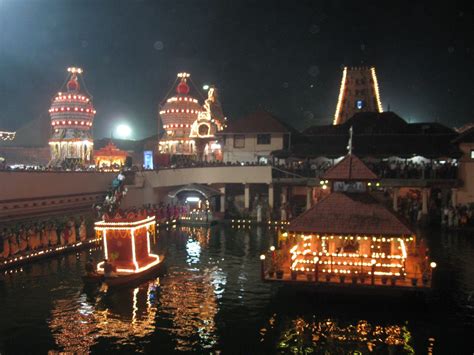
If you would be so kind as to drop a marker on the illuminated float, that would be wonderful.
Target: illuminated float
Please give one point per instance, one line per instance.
(127, 247)
(72, 115)
(349, 239)
(189, 127)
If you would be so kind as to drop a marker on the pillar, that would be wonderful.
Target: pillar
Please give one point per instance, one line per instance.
(309, 197)
(424, 201)
(270, 196)
(284, 191)
(454, 197)
(222, 189)
(247, 196)
(395, 199)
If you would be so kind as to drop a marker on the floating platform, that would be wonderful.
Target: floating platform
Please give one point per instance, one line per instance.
(49, 252)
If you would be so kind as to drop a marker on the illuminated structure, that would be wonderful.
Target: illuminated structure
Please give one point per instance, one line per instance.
(109, 156)
(7, 136)
(72, 115)
(350, 234)
(189, 127)
(359, 92)
(127, 243)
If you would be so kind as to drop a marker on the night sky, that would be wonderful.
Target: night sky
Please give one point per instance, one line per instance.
(284, 56)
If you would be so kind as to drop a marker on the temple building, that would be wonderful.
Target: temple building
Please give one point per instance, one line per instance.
(189, 127)
(72, 115)
(254, 137)
(110, 156)
(359, 92)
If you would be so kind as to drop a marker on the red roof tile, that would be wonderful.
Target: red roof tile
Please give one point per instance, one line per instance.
(257, 122)
(349, 168)
(343, 213)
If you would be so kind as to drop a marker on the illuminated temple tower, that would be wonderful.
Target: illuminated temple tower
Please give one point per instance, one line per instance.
(359, 92)
(189, 127)
(72, 115)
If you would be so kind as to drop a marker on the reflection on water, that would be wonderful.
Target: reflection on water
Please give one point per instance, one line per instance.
(77, 323)
(329, 336)
(211, 299)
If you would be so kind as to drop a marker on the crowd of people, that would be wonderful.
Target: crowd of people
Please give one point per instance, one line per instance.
(459, 216)
(25, 238)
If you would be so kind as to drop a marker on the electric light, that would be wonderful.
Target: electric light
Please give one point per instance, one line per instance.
(272, 248)
(341, 96)
(205, 87)
(123, 131)
(433, 264)
(262, 257)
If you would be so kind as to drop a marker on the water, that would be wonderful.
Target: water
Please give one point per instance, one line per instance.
(211, 299)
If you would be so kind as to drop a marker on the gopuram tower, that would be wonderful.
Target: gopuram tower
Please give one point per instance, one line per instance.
(72, 115)
(359, 92)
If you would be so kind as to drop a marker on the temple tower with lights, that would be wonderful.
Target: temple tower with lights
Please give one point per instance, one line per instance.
(189, 127)
(359, 92)
(72, 115)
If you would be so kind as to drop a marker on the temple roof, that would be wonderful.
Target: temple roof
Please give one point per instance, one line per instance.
(257, 122)
(342, 213)
(110, 150)
(349, 168)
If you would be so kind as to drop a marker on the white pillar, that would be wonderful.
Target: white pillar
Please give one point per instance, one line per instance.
(270, 196)
(284, 191)
(247, 196)
(395, 199)
(424, 201)
(454, 197)
(222, 189)
(309, 197)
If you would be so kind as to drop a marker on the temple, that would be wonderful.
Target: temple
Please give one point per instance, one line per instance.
(110, 156)
(189, 127)
(348, 233)
(72, 115)
(359, 92)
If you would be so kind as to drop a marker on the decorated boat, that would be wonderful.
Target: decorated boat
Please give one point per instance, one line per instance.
(126, 249)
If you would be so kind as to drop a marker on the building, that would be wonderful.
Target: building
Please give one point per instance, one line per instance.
(72, 115)
(189, 127)
(349, 234)
(359, 92)
(465, 142)
(254, 137)
(110, 156)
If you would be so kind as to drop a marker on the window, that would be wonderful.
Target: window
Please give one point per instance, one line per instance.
(264, 138)
(239, 141)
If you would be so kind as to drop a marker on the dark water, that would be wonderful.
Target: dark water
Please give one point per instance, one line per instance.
(211, 299)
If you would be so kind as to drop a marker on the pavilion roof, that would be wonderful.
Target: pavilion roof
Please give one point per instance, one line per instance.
(342, 213)
(110, 150)
(350, 168)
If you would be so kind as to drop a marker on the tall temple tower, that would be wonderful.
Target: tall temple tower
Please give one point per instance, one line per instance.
(72, 115)
(359, 92)
(189, 127)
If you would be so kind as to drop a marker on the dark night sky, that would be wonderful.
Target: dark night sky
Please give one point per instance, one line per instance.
(258, 53)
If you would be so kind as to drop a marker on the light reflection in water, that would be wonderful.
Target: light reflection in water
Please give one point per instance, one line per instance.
(76, 324)
(303, 336)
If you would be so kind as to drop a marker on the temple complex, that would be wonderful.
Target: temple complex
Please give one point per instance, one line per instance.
(359, 92)
(72, 115)
(189, 127)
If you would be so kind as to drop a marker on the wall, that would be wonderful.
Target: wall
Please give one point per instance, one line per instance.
(252, 150)
(25, 193)
(465, 194)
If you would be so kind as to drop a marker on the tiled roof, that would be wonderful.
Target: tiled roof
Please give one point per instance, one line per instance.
(342, 213)
(349, 168)
(257, 122)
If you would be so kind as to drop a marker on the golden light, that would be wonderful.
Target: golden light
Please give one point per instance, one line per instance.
(262, 257)
(341, 96)
(272, 248)
(433, 264)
